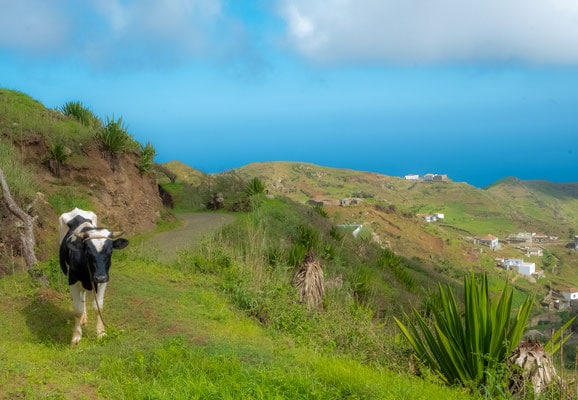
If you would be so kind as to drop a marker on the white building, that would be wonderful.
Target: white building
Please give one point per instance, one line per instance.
(570, 294)
(524, 268)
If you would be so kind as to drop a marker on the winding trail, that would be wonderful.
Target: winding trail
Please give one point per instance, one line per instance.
(194, 226)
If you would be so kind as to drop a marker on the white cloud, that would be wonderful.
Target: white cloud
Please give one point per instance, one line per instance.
(32, 25)
(121, 33)
(433, 31)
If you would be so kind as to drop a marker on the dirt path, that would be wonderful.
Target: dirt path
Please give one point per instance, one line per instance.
(194, 226)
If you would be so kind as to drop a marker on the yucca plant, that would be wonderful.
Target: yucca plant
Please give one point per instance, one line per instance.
(462, 346)
(147, 156)
(254, 187)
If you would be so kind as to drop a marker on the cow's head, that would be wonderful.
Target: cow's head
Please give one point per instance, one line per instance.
(97, 244)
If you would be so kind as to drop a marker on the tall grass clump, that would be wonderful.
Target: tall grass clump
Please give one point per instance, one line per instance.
(77, 110)
(146, 160)
(468, 346)
(115, 139)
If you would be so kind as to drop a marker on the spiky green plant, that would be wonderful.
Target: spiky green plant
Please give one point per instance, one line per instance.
(463, 345)
(115, 139)
(77, 110)
(147, 157)
(254, 187)
(59, 153)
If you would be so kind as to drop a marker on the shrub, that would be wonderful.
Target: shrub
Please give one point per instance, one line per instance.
(115, 139)
(463, 347)
(58, 153)
(77, 110)
(388, 259)
(146, 160)
(254, 187)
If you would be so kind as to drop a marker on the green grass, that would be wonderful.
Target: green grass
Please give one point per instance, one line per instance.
(172, 335)
(20, 178)
(22, 117)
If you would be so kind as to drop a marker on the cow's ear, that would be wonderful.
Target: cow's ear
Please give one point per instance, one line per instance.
(74, 243)
(119, 243)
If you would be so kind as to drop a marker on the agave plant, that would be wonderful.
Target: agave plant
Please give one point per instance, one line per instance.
(462, 346)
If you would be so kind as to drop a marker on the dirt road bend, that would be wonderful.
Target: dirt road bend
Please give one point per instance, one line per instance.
(194, 226)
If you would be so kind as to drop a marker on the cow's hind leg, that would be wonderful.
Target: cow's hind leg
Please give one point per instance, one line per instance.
(78, 300)
(99, 307)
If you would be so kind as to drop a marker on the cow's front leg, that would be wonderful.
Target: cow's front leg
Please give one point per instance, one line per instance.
(78, 300)
(99, 307)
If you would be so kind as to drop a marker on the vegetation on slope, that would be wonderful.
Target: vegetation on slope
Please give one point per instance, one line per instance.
(224, 320)
(221, 321)
(54, 161)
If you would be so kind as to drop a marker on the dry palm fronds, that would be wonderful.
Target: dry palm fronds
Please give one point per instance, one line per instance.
(533, 367)
(310, 282)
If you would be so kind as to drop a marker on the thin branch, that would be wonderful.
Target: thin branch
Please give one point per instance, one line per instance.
(27, 237)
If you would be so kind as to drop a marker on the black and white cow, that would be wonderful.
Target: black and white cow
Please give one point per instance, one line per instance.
(85, 257)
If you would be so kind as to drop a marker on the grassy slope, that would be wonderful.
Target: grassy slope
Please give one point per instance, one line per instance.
(174, 336)
(509, 206)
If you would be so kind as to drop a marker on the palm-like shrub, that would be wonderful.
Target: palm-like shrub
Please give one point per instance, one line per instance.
(463, 346)
(147, 156)
(59, 153)
(254, 187)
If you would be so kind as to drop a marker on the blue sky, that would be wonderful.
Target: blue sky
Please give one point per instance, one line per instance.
(479, 90)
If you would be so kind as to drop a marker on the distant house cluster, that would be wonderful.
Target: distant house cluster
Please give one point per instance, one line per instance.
(349, 201)
(561, 299)
(427, 177)
(530, 237)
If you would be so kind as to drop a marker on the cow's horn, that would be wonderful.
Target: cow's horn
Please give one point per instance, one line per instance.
(81, 235)
(116, 234)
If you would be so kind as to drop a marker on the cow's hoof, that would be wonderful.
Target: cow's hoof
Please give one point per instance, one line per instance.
(75, 340)
(101, 335)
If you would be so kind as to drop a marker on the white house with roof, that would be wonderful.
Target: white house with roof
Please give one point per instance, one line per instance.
(411, 177)
(489, 240)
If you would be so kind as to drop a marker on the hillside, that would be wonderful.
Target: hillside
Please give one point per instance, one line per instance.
(123, 197)
(394, 208)
(219, 316)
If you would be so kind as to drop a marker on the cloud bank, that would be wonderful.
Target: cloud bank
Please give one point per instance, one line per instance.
(121, 33)
(433, 31)
(151, 33)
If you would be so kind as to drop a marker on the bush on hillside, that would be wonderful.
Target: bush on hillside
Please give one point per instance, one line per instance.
(58, 154)
(115, 140)
(77, 110)
(468, 347)
(146, 160)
